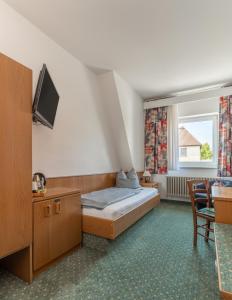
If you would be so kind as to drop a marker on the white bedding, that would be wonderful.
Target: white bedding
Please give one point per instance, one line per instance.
(120, 208)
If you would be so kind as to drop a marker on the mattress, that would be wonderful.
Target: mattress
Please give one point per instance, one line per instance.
(120, 208)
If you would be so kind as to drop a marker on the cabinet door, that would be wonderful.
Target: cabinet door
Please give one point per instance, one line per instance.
(42, 212)
(15, 154)
(66, 224)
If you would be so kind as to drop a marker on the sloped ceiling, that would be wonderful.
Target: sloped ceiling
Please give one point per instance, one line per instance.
(115, 119)
(158, 46)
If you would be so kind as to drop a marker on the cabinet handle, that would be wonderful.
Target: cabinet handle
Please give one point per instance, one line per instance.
(57, 206)
(47, 211)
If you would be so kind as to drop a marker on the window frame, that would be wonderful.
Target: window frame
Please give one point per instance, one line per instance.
(204, 117)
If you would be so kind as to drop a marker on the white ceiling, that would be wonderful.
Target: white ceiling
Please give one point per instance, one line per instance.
(158, 46)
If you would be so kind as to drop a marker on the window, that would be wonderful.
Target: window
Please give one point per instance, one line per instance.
(198, 137)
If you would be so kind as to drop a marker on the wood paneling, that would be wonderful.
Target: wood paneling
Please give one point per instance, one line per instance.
(110, 229)
(86, 183)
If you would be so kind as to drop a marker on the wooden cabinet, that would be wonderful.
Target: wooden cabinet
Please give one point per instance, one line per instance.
(57, 226)
(15, 167)
(15, 153)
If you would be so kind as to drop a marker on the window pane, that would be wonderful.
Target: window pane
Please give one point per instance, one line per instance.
(196, 141)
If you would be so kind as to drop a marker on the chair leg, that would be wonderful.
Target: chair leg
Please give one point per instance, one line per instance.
(194, 231)
(207, 231)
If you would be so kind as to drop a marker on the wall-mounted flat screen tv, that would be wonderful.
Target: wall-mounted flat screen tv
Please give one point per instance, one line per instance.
(46, 99)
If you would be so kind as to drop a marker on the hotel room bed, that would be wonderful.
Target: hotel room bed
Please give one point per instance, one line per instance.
(117, 217)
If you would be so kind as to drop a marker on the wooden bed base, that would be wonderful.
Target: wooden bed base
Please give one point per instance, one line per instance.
(110, 229)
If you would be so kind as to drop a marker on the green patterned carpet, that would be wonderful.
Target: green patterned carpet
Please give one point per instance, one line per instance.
(154, 259)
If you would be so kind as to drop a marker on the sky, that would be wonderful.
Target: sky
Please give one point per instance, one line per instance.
(202, 131)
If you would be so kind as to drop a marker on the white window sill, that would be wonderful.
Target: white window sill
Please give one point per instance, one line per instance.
(197, 166)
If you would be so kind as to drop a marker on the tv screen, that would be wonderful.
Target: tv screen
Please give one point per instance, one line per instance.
(46, 99)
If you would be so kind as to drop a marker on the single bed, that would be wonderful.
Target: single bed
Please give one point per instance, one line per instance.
(115, 218)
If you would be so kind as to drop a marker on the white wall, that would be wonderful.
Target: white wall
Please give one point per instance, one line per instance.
(198, 96)
(133, 116)
(89, 134)
(198, 107)
(81, 141)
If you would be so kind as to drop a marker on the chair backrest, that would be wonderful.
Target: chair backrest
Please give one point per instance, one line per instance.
(196, 188)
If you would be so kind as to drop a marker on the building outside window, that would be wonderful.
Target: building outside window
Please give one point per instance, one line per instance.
(198, 140)
(183, 152)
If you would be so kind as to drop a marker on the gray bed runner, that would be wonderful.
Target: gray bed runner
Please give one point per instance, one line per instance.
(101, 199)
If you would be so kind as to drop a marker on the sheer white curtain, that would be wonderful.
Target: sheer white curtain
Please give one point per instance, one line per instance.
(173, 145)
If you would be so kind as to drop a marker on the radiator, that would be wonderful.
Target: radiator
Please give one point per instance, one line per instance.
(177, 187)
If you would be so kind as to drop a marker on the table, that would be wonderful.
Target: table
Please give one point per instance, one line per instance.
(222, 197)
(150, 184)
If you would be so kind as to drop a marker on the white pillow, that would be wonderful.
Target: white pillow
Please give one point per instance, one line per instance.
(130, 180)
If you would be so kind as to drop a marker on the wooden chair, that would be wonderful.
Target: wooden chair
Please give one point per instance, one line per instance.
(199, 192)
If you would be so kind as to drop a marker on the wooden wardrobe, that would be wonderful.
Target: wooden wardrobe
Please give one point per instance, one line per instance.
(15, 167)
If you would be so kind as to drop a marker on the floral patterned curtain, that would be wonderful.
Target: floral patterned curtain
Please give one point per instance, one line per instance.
(156, 140)
(225, 137)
